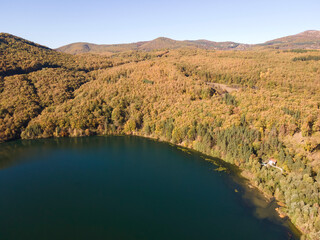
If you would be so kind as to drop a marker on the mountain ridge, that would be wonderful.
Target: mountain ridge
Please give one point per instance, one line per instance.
(155, 44)
(309, 39)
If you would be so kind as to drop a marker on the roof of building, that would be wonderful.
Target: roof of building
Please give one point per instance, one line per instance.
(272, 160)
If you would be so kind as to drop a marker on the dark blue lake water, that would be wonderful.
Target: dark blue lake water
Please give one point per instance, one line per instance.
(121, 188)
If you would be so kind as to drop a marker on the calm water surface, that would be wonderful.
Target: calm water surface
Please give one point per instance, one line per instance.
(121, 188)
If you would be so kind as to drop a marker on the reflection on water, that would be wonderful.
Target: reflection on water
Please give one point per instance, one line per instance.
(19, 151)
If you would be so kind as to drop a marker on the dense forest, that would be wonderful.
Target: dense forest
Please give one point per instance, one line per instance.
(242, 106)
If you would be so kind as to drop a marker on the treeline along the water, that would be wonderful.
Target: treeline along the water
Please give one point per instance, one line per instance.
(243, 106)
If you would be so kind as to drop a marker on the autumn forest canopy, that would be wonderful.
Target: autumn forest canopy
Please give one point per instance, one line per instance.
(244, 106)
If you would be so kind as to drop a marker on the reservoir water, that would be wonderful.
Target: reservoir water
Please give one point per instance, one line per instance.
(122, 188)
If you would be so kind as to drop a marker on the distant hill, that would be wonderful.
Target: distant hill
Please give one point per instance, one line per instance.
(158, 43)
(78, 48)
(305, 40)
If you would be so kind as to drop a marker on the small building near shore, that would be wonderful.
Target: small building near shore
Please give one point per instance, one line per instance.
(272, 162)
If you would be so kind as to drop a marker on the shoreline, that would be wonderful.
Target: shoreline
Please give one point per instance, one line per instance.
(240, 177)
(240, 174)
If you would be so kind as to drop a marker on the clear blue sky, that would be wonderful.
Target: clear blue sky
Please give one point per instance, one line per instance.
(55, 23)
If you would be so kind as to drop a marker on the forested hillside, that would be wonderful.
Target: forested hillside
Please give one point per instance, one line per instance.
(243, 106)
